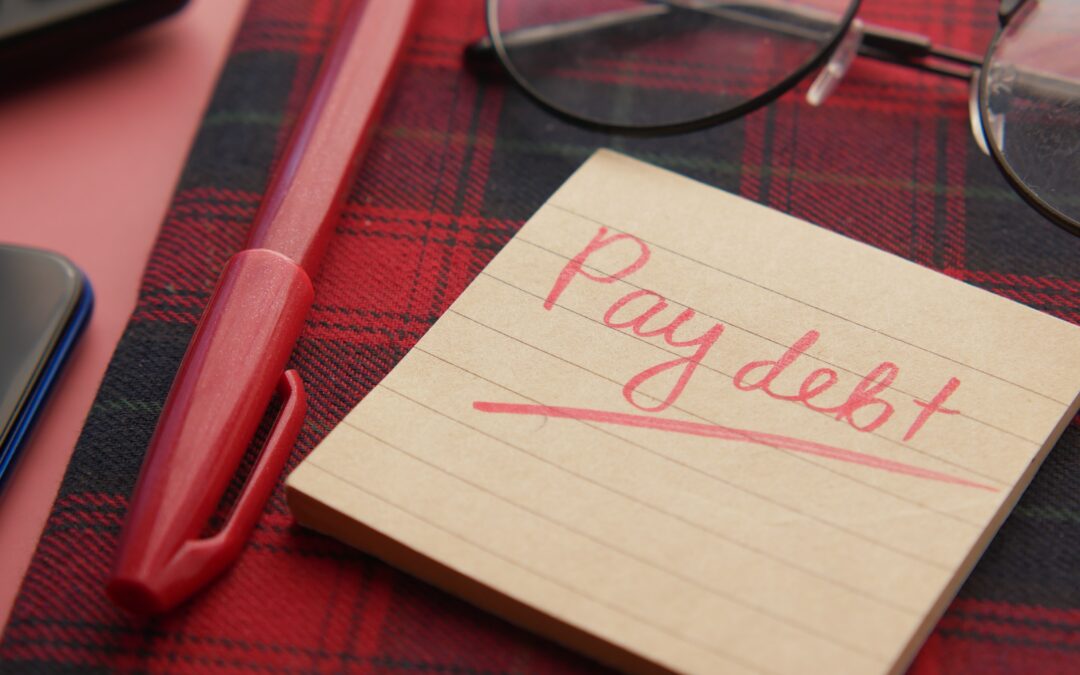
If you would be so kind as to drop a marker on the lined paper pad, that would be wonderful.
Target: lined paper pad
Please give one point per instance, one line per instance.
(681, 431)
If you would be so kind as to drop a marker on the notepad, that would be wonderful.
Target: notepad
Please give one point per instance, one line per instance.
(680, 431)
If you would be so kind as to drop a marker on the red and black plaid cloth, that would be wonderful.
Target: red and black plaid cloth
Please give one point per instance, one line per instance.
(459, 161)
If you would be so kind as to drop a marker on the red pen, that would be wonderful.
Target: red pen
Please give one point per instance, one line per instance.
(238, 354)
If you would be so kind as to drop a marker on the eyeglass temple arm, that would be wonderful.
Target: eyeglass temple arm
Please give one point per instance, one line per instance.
(879, 42)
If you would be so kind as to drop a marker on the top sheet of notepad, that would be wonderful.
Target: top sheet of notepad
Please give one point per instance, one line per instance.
(703, 432)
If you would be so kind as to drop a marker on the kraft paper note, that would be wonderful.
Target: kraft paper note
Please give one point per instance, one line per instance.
(677, 430)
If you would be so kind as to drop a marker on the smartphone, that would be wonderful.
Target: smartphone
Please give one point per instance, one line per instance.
(44, 32)
(45, 302)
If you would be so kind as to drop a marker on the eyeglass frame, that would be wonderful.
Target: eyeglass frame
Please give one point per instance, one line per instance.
(1006, 11)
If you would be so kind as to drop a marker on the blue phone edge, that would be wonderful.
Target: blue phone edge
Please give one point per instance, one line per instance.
(50, 374)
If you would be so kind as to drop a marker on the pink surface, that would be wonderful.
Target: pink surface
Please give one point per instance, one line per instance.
(89, 162)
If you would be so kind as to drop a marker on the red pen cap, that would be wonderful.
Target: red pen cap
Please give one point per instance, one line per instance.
(228, 377)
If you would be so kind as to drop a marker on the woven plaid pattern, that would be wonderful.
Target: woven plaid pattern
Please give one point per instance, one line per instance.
(459, 161)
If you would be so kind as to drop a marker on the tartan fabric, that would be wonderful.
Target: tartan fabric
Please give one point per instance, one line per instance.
(459, 161)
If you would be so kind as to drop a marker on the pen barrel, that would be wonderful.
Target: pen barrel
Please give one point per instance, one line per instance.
(307, 191)
(221, 392)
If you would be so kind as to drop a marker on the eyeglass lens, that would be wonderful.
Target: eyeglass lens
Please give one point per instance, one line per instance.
(629, 63)
(1032, 96)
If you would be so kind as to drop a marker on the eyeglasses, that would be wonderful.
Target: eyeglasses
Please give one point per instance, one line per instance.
(667, 66)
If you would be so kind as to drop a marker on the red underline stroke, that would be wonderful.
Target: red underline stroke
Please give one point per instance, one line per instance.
(727, 433)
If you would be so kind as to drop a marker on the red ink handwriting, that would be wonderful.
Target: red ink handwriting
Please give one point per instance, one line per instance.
(728, 433)
(703, 342)
(641, 312)
(934, 406)
(864, 395)
(599, 242)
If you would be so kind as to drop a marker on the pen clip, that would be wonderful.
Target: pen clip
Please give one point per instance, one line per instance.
(205, 558)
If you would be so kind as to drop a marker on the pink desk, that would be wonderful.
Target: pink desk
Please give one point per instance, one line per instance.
(88, 164)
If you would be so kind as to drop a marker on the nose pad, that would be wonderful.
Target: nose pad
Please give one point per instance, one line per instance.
(997, 120)
(839, 63)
